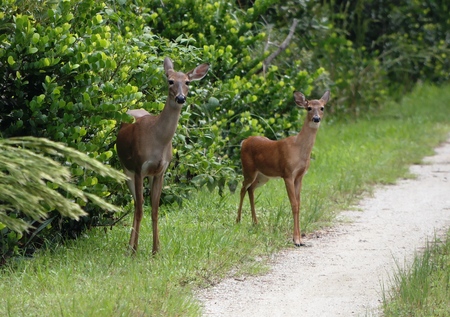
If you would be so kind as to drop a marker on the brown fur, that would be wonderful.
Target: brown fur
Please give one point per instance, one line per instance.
(145, 146)
(288, 158)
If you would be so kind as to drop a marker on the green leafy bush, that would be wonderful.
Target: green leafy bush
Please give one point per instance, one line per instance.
(69, 71)
(408, 39)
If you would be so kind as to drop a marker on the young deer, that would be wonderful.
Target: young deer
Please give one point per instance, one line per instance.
(145, 146)
(288, 158)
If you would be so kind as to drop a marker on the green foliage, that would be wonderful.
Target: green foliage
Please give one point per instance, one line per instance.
(33, 185)
(200, 242)
(69, 71)
(407, 38)
(242, 102)
(415, 46)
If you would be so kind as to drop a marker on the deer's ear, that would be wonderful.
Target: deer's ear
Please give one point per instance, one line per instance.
(198, 72)
(168, 65)
(300, 99)
(326, 96)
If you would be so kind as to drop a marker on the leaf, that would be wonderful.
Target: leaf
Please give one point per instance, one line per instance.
(211, 184)
(35, 38)
(32, 50)
(11, 60)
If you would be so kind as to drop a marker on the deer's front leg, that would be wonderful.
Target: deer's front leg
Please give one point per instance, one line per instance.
(138, 210)
(290, 187)
(298, 190)
(155, 196)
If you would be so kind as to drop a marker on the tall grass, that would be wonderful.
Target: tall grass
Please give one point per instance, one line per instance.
(200, 242)
(422, 288)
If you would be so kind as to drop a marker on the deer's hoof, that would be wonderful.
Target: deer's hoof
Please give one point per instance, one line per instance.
(301, 244)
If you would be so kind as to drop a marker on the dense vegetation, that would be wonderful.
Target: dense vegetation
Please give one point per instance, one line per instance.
(201, 243)
(69, 71)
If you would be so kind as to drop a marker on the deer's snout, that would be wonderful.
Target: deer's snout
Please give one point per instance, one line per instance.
(180, 99)
(316, 119)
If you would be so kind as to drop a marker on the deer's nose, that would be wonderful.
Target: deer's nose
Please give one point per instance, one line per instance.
(180, 99)
(316, 119)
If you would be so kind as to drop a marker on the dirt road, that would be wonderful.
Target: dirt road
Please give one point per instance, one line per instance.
(343, 272)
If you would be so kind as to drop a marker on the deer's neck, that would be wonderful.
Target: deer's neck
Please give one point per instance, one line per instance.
(167, 121)
(305, 138)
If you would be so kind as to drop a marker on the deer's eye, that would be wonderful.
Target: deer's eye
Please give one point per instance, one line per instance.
(321, 108)
(170, 82)
(187, 83)
(309, 108)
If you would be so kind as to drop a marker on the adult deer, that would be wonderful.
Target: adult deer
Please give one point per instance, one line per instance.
(145, 146)
(288, 158)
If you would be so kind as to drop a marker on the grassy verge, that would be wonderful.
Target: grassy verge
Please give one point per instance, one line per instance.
(423, 288)
(200, 242)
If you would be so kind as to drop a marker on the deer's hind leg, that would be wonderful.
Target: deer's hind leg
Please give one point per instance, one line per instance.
(259, 181)
(245, 186)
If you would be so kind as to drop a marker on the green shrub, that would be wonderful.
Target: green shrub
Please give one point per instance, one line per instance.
(69, 71)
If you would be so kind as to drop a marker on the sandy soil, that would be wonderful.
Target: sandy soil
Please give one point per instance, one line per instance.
(343, 272)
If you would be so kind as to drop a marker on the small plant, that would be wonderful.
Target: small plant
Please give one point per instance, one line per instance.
(422, 289)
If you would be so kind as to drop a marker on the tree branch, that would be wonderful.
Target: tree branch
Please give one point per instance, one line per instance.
(281, 48)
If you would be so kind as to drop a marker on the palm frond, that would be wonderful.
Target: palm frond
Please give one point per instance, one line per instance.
(28, 165)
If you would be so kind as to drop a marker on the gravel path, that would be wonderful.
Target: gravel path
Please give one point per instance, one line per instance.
(343, 272)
